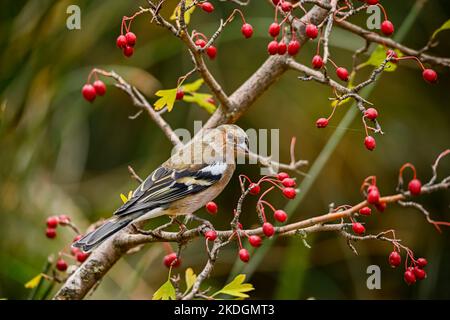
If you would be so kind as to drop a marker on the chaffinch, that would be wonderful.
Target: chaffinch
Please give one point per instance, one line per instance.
(190, 178)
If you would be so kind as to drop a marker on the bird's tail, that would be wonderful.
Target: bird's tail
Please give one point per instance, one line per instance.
(96, 237)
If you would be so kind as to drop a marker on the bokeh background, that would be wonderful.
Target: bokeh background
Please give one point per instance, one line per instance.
(62, 155)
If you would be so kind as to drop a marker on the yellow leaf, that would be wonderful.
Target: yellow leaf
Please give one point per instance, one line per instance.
(123, 198)
(33, 282)
(337, 103)
(237, 287)
(167, 99)
(193, 86)
(202, 100)
(130, 194)
(165, 292)
(379, 55)
(191, 277)
(187, 13)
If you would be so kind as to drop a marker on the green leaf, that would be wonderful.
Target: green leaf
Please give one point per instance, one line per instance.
(378, 56)
(187, 14)
(445, 26)
(191, 277)
(237, 287)
(167, 99)
(33, 282)
(193, 86)
(165, 292)
(202, 100)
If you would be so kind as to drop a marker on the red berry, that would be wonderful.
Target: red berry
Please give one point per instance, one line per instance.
(372, 187)
(211, 235)
(63, 219)
(371, 113)
(78, 237)
(317, 62)
(171, 260)
(272, 47)
(179, 95)
(274, 29)
(239, 225)
(282, 48)
(254, 189)
(358, 228)
(207, 7)
(387, 27)
(419, 273)
(429, 75)
(100, 87)
(286, 6)
(311, 31)
(372, 2)
(280, 215)
(395, 259)
(381, 206)
(121, 41)
(211, 100)
(282, 175)
(276, 2)
(422, 262)
(128, 51)
(391, 53)
(409, 277)
(82, 256)
(50, 233)
(288, 182)
(342, 73)
(52, 222)
(200, 43)
(321, 123)
(88, 92)
(370, 143)
(415, 187)
(293, 47)
(243, 255)
(74, 251)
(211, 51)
(247, 30)
(289, 193)
(212, 207)
(61, 265)
(255, 241)
(268, 229)
(131, 39)
(366, 211)
(373, 197)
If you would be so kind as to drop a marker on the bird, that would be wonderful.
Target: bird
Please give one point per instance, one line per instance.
(194, 175)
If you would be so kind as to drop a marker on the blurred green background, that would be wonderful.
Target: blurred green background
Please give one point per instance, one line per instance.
(62, 155)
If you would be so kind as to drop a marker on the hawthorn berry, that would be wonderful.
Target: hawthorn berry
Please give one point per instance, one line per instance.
(311, 31)
(317, 62)
(358, 228)
(371, 113)
(61, 265)
(342, 73)
(171, 260)
(179, 95)
(244, 255)
(100, 87)
(121, 41)
(268, 229)
(288, 182)
(211, 235)
(282, 48)
(88, 92)
(212, 207)
(128, 51)
(286, 6)
(276, 2)
(211, 51)
(274, 29)
(254, 189)
(207, 7)
(293, 47)
(409, 277)
(77, 237)
(52, 222)
(372, 2)
(373, 197)
(419, 273)
(430, 76)
(370, 143)
(365, 211)
(50, 233)
(422, 262)
(74, 251)
(395, 259)
(247, 30)
(131, 38)
(200, 43)
(322, 123)
(289, 193)
(63, 219)
(81, 256)
(415, 187)
(272, 47)
(387, 27)
(381, 206)
(255, 241)
(280, 215)
(282, 175)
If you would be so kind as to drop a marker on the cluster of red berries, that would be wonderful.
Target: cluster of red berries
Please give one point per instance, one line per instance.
(79, 255)
(126, 43)
(412, 273)
(52, 224)
(91, 91)
(211, 51)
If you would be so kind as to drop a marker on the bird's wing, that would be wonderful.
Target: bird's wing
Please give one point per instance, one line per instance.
(166, 185)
